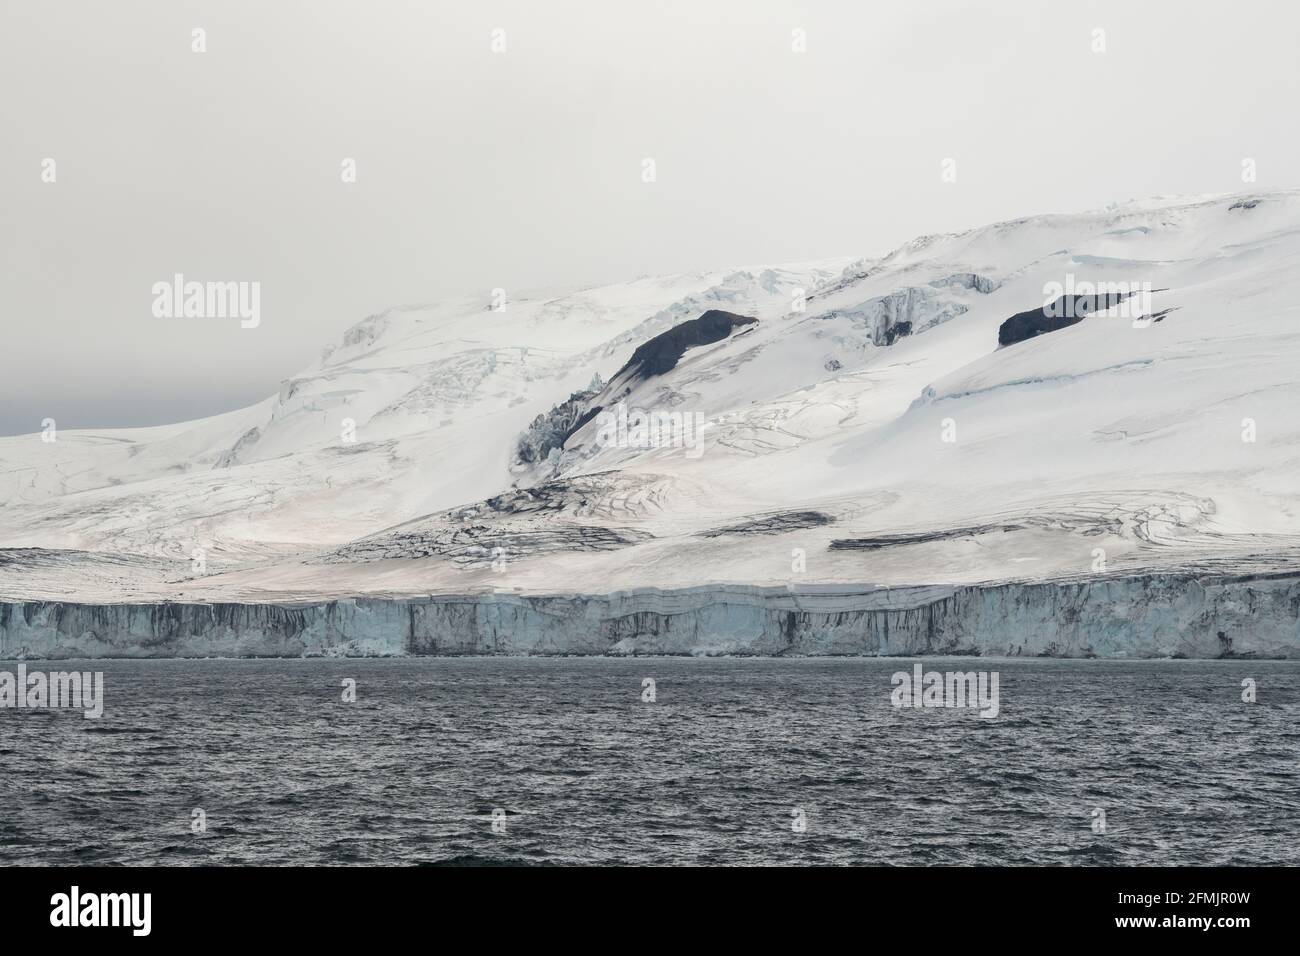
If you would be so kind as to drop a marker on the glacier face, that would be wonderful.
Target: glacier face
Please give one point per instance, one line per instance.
(1142, 617)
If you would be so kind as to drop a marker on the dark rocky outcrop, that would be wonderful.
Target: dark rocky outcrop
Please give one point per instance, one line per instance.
(892, 540)
(479, 545)
(896, 332)
(656, 356)
(778, 523)
(1064, 312)
(662, 353)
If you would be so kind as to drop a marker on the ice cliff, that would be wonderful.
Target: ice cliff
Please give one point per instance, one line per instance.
(1120, 617)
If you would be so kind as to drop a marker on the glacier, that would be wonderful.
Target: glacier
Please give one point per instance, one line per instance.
(1145, 617)
(884, 469)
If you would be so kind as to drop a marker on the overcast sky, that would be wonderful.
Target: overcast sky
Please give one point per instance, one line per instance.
(523, 168)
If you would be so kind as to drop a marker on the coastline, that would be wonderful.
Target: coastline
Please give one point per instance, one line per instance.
(1148, 616)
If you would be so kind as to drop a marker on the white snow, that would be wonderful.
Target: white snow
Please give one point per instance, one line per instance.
(1097, 436)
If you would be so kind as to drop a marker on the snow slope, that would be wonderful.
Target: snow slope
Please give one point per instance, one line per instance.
(868, 430)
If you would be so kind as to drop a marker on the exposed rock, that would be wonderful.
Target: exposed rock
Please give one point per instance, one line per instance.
(1064, 312)
(895, 332)
(891, 540)
(479, 545)
(778, 523)
(662, 353)
(656, 356)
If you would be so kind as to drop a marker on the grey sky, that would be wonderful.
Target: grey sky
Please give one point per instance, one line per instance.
(523, 169)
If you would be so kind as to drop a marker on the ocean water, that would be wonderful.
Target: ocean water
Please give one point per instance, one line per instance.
(722, 767)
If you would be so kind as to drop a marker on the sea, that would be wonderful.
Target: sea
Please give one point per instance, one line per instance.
(655, 761)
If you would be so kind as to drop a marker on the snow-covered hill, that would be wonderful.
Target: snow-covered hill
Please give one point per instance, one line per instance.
(867, 429)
